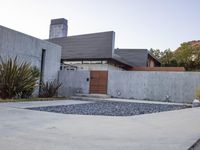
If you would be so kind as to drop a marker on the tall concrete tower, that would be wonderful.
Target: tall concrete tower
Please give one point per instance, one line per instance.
(58, 28)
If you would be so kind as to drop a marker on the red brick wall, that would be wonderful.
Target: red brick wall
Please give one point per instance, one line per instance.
(174, 69)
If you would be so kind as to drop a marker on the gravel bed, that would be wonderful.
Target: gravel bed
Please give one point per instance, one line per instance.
(110, 108)
(195, 146)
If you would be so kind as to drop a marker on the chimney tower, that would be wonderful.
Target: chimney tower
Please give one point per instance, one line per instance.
(58, 28)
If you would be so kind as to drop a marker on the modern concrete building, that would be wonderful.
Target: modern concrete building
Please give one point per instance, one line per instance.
(96, 51)
(42, 54)
(95, 54)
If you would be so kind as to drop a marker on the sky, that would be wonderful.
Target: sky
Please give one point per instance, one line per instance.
(158, 24)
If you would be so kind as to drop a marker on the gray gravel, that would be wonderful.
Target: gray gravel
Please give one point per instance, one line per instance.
(195, 146)
(110, 108)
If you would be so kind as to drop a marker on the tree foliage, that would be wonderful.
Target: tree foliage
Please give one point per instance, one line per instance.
(187, 55)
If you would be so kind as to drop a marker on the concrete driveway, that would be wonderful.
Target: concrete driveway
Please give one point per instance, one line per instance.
(22, 129)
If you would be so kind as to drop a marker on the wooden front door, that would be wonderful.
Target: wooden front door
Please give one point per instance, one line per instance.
(98, 82)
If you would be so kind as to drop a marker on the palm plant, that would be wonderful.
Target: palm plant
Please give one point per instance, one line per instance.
(17, 79)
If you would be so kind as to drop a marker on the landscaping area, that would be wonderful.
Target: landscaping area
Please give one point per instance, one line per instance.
(22, 82)
(110, 108)
(32, 99)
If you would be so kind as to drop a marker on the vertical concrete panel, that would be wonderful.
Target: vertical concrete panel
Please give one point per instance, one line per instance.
(125, 84)
(74, 82)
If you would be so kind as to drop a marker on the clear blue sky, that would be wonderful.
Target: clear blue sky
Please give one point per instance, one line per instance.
(138, 23)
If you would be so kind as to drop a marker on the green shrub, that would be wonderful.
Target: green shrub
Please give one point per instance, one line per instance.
(18, 79)
(198, 93)
(49, 89)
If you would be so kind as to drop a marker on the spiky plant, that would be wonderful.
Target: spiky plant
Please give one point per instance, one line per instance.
(49, 89)
(17, 79)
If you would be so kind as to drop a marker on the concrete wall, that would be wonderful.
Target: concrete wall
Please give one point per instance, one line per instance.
(29, 49)
(159, 86)
(73, 82)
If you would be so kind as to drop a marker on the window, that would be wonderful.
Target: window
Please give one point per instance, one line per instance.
(95, 62)
(72, 62)
(86, 62)
(42, 67)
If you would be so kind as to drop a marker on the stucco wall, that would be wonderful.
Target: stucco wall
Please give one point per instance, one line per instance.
(73, 82)
(29, 49)
(160, 86)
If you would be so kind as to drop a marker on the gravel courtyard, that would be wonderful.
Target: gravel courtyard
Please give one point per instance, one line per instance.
(106, 108)
(25, 129)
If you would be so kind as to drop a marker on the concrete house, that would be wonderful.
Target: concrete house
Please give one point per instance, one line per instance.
(93, 52)
(100, 68)
(41, 54)
(96, 51)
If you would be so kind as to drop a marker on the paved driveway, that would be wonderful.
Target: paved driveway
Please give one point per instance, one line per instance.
(22, 129)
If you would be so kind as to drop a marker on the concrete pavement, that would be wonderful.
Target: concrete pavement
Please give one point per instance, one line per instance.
(22, 129)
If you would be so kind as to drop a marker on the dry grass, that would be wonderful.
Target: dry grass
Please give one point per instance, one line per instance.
(198, 93)
(32, 99)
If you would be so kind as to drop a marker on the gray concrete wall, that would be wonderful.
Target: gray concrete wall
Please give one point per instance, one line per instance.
(177, 86)
(73, 82)
(29, 49)
(159, 86)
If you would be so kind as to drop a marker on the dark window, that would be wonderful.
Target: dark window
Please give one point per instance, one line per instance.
(42, 67)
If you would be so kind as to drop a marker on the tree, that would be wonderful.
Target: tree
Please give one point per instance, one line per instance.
(167, 59)
(188, 55)
(156, 52)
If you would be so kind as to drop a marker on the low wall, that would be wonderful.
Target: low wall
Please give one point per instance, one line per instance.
(159, 86)
(73, 82)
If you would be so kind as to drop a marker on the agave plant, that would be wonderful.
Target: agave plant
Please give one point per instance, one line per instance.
(49, 89)
(17, 79)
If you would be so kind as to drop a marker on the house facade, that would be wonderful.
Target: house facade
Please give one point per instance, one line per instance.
(93, 54)
(96, 51)
(41, 54)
